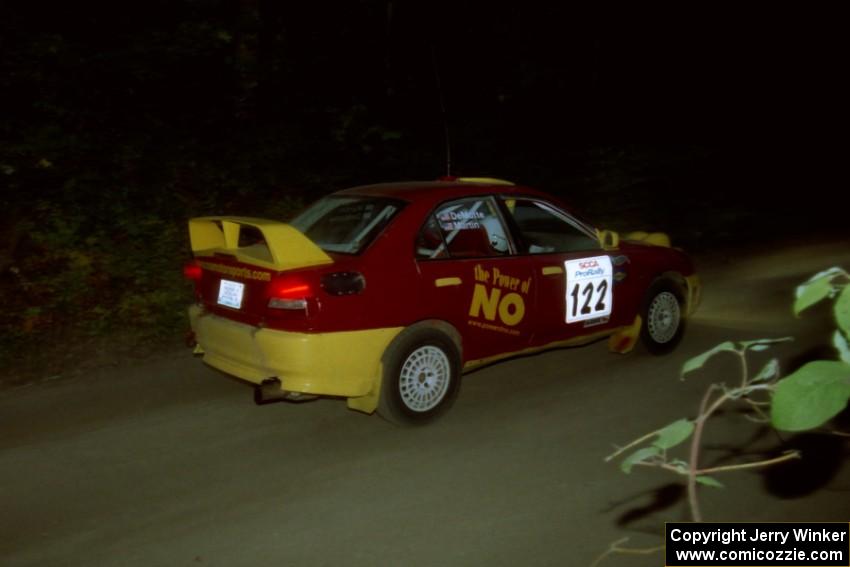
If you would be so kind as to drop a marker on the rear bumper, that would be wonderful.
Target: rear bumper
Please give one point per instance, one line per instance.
(345, 364)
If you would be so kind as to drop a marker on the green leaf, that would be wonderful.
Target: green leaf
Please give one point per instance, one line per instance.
(770, 370)
(638, 456)
(811, 396)
(760, 345)
(839, 341)
(699, 360)
(709, 481)
(842, 310)
(674, 434)
(829, 273)
(764, 343)
(815, 289)
(680, 465)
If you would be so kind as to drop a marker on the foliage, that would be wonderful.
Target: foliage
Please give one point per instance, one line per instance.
(819, 390)
(121, 125)
(90, 269)
(78, 275)
(811, 396)
(806, 399)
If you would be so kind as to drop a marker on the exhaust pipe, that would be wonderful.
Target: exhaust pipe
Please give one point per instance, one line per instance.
(269, 391)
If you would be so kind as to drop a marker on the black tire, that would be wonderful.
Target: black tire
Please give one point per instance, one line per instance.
(663, 324)
(421, 377)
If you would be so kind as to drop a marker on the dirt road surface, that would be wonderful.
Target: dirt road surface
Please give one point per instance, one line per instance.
(169, 462)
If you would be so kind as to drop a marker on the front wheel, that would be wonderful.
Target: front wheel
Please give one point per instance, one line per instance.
(420, 378)
(663, 324)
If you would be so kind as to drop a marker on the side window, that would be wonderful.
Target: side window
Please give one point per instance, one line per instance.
(466, 228)
(547, 230)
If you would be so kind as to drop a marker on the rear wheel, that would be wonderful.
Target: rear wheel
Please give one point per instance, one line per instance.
(663, 325)
(420, 378)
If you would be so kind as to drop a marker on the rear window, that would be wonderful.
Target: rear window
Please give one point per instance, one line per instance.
(346, 224)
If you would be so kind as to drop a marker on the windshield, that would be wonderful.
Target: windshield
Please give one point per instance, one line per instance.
(345, 224)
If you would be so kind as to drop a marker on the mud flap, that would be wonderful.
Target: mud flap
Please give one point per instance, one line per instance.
(624, 340)
(369, 402)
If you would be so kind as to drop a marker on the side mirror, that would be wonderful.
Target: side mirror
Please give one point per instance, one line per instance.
(609, 239)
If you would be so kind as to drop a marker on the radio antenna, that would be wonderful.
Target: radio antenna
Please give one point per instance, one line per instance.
(442, 111)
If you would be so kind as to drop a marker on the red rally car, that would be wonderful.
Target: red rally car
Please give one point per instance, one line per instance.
(385, 294)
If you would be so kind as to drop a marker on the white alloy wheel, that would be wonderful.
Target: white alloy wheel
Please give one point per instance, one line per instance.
(663, 317)
(424, 378)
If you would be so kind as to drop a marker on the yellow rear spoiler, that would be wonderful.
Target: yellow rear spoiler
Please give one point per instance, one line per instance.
(285, 247)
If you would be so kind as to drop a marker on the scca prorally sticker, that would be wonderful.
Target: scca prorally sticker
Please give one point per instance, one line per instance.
(588, 288)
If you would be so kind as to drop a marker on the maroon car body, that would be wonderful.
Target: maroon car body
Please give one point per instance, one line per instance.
(462, 271)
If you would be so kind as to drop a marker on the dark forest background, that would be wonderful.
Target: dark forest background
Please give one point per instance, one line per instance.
(121, 120)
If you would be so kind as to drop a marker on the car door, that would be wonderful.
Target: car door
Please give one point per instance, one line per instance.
(472, 277)
(580, 285)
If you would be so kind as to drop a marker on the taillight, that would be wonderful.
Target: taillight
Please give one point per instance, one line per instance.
(343, 283)
(192, 271)
(289, 293)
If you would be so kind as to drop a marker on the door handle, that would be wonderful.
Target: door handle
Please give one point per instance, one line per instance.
(446, 282)
(552, 270)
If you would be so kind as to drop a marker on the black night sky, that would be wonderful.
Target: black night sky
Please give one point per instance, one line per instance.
(123, 119)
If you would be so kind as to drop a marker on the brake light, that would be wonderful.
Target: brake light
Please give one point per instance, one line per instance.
(289, 293)
(192, 271)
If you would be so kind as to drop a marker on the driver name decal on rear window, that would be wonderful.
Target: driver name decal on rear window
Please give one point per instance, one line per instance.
(589, 289)
(498, 300)
(461, 220)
